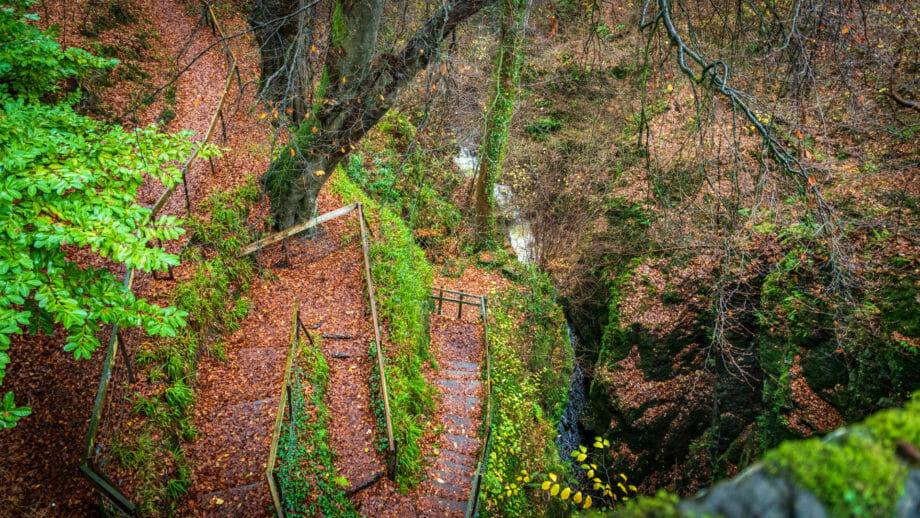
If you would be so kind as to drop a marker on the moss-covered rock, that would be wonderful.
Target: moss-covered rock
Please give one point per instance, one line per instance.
(868, 469)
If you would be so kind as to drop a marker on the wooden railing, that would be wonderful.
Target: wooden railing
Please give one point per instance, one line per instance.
(472, 505)
(284, 405)
(285, 396)
(87, 464)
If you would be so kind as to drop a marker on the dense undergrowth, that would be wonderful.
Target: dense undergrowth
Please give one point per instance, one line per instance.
(213, 296)
(402, 278)
(306, 470)
(531, 366)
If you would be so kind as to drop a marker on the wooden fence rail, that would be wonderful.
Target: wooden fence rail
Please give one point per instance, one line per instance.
(284, 405)
(285, 399)
(88, 466)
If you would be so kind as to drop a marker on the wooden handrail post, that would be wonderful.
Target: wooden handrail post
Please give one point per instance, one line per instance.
(380, 366)
(460, 308)
(440, 300)
(125, 356)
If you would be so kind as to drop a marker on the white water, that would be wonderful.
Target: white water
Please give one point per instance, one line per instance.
(467, 161)
(568, 433)
(519, 231)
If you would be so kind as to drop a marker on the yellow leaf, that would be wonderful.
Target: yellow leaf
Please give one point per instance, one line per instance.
(292, 152)
(555, 490)
(343, 79)
(545, 486)
(319, 172)
(581, 457)
(219, 501)
(577, 498)
(552, 476)
(590, 473)
(670, 88)
(587, 502)
(565, 494)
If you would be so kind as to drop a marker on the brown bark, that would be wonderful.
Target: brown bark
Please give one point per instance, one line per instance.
(362, 86)
(497, 120)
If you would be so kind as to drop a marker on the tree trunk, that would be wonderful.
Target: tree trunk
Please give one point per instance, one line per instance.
(356, 89)
(498, 118)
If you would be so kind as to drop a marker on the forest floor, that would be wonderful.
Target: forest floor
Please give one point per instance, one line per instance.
(40, 468)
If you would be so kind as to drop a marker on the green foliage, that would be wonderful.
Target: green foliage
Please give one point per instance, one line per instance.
(212, 298)
(853, 476)
(32, 63)
(662, 505)
(9, 412)
(339, 27)
(402, 278)
(306, 470)
(409, 193)
(541, 128)
(531, 368)
(68, 182)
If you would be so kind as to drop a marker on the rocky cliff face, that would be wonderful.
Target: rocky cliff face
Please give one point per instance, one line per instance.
(683, 412)
(869, 469)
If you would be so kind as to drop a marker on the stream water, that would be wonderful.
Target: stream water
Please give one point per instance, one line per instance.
(569, 436)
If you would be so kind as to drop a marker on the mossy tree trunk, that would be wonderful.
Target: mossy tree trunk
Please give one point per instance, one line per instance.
(357, 87)
(498, 115)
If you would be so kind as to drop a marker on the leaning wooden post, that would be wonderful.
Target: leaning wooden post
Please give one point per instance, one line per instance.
(391, 465)
(460, 307)
(125, 356)
(440, 299)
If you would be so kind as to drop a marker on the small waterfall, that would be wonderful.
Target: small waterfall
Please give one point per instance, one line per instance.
(568, 433)
(467, 161)
(568, 437)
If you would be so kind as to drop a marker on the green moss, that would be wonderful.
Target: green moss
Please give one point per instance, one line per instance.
(402, 278)
(396, 126)
(662, 505)
(853, 476)
(615, 341)
(889, 427)
(339, 27)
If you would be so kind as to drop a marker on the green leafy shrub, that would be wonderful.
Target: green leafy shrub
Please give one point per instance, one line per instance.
(69, 182)
(531, 367)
